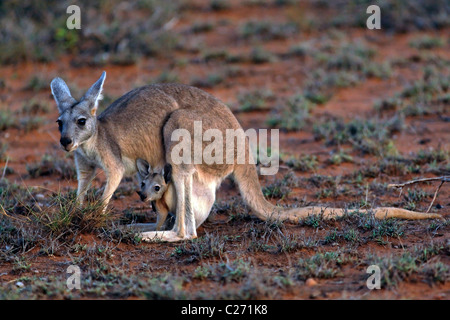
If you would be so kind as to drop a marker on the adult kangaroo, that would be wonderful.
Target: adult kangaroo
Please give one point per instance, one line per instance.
(140, 124)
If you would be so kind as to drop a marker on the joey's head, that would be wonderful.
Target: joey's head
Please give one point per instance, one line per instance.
(153, 184)
(77, 120)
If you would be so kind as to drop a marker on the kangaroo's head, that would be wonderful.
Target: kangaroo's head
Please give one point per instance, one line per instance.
(153, 183)
(77, 120)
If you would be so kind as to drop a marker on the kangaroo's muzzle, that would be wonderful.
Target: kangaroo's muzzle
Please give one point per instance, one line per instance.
(141, 195)
(66, 143)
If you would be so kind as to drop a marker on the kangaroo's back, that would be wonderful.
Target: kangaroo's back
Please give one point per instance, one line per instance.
(161, 97)
(136, 119)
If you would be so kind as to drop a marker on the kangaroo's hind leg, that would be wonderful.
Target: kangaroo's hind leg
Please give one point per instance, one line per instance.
(184, 227)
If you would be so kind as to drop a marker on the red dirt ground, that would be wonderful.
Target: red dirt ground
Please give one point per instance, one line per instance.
(284, 77)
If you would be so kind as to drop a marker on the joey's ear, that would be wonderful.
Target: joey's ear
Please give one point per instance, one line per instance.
(61, 93)
(167, 172)
(94, 94)
(143, 167)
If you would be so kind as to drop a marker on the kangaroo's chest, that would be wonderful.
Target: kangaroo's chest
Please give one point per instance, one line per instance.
(90, 156)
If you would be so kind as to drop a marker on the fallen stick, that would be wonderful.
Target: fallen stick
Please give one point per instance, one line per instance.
(401, 185)
(443, 179)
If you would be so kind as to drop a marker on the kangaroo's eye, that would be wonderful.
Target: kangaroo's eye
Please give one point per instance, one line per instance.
(142, 184)
(157, 188)
(81, 121)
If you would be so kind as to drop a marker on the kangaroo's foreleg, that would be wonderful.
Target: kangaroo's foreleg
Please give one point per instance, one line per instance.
(113, 178)
(85, 175)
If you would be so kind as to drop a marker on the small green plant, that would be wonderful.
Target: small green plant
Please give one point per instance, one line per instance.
(7, 119)
(20, 265)
(34, 106)
(255, 100)
(340, 157)
(233, 271)
(350, 57)
(166, 77)
(306, 163)
(322, 265)
(331, 237)
(63, 217)
(3, 149)
(201, 272)
(276, 190)
(37, 83)
(267, 30)
(427, 42)
(431, 155)
(287, 243)
(213, 79)
(29, 123)
(292, 115)
(280, 189)
(322, 83)
(313, 221)
(205, 247)
(366, 136)
(351, 235)
(202, 26)
(410, 264)
(219, 5)
(387, 228)
(215, 55)
(300, 50)
(259, 55)
(388, 104)
(51, 165)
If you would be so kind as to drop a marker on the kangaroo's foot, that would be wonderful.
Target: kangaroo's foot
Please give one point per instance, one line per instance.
(165, 236)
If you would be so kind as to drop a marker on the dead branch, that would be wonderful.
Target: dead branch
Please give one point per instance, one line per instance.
(401, 185)
(443, 179)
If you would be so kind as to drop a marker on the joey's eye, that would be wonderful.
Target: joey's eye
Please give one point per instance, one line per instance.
(81, 121)
(157, 188)
(142, 184)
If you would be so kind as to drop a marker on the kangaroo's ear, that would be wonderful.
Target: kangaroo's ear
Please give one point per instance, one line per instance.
(61, 93)
(143, 167)
(167, 172)
(94, 94)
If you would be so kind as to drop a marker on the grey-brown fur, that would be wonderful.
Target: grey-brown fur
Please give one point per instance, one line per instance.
(140, 125)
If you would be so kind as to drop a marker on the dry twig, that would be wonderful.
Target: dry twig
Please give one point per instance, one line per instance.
(443, 179)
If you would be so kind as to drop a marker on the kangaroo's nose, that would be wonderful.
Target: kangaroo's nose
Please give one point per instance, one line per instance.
(65, 141)
(141, 195)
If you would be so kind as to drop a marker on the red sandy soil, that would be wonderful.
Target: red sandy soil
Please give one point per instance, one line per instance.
(284, 78)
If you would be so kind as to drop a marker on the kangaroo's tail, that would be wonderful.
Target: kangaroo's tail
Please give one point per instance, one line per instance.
(247, 179)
